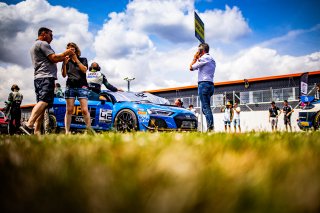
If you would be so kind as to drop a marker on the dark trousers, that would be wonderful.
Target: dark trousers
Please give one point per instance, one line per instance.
(15, 121)
(205, 91)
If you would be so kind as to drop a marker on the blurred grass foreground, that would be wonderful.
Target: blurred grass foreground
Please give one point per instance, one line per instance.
(161, 173)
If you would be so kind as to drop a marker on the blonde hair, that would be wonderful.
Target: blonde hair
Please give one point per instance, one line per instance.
(72, 44)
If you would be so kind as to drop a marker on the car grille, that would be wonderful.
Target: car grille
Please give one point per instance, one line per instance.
(303, 116)
(186, 121)
(306, 116)
(157, 123)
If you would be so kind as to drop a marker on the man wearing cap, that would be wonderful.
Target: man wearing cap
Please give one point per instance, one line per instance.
(227, 116)
(205, 65)
(274, 113)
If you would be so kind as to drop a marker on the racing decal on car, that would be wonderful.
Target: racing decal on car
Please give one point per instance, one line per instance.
(77, 117)
(141, 94)
(105, 116)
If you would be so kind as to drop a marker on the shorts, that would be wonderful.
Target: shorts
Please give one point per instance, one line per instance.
(287, 120)
(44, 88)
(76, 93)
(274, 121)
(227, 123)
(236, 122)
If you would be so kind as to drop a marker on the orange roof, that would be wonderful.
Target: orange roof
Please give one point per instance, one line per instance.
(236, 81)
(27, 106)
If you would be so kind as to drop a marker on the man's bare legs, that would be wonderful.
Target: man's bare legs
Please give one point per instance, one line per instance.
(37, 111)
(38, 124)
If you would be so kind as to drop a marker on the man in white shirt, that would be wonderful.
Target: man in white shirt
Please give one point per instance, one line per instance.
(205, 65)
(236, 117)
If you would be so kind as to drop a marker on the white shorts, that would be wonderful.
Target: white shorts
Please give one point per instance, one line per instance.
(274, 121)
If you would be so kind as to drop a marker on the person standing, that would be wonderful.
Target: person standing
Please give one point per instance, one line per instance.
(192, 109)
(236, 117)
(227, 116)
(44, 61)
(205, 64)
(75, 68)
(58, 91)
(178, 102)
(287, 111)
(317, 94)
(14, 102)
(273, 116)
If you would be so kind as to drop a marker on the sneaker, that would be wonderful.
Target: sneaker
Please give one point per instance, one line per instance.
(26, 129)
(210, 129)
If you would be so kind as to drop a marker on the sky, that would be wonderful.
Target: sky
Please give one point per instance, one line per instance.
(153, 40)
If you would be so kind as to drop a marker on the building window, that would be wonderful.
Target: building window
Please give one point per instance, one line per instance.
(277, 95)
(218, 100)
(244, 97)
(288, 94)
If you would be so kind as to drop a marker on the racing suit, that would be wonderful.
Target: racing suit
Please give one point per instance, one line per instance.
(15, 99)
(95, 79)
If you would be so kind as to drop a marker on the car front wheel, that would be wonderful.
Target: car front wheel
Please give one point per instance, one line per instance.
(126, 121)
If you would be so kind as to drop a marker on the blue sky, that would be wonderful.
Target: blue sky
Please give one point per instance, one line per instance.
(153, 40)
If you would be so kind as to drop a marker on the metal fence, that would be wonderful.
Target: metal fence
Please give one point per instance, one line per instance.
(262, 97)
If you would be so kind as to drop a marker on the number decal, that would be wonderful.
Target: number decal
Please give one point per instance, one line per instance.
(105, 116)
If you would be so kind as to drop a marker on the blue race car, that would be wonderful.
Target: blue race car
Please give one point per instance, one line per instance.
(309, 116)
(125, 112)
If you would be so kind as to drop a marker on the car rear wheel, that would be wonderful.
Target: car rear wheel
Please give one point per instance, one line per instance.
(51, 125)
(126, 121)
(316, 122)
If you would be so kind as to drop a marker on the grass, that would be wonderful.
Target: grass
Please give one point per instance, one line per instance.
(161, 172)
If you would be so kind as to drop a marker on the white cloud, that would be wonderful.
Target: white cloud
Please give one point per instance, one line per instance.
(259, 61)
(225, 25)
(19, 25)
(291, 35)
(129, 43)
(15, 74)
(18, 29)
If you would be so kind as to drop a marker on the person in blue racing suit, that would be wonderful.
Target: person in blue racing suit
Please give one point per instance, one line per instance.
(95, 79)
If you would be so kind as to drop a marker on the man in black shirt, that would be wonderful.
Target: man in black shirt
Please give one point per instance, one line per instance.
(273, 116)
(287, 111)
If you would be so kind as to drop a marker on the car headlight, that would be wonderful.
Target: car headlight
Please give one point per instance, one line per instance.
(159, 112)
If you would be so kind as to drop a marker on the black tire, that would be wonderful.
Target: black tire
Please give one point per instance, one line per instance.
(126, 121)
(316, 121)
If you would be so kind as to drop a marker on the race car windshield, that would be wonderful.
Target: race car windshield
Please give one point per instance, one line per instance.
(139, 96)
